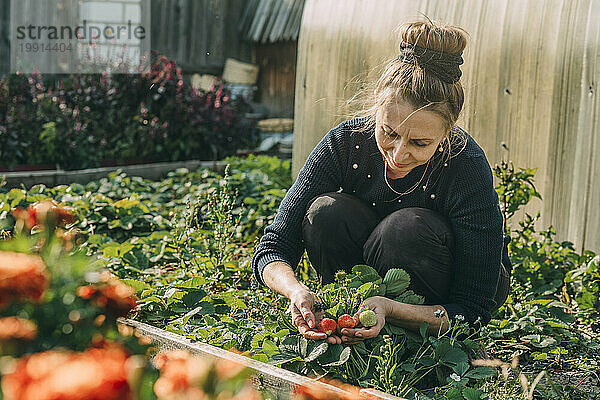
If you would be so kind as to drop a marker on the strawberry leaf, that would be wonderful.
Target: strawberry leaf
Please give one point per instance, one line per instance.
(397, 281)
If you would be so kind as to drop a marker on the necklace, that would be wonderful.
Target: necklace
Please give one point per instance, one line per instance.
(409, 190)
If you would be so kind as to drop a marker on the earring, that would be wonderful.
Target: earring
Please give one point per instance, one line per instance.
(441, 148)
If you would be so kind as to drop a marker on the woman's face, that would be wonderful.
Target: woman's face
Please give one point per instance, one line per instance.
(406, 139)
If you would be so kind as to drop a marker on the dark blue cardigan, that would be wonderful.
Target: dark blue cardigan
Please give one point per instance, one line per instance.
(461, 189)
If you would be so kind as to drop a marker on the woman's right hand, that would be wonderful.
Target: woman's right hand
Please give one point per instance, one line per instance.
(302, 302)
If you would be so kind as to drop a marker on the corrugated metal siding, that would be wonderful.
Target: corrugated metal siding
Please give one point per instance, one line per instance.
(199, 34)
(531, 78)
(269, 21)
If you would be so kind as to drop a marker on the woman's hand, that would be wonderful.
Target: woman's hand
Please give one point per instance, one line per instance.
(302, 302)
(379, 305)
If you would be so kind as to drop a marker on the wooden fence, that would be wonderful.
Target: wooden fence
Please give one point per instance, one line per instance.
(531, 76)
(199, 34)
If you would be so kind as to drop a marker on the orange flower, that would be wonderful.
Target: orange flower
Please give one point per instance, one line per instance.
(185, 376)
(44, 212)
(96, 374)
(22, 276)
(17, 328)
(318, 391)
(114, 295)
(180, 375)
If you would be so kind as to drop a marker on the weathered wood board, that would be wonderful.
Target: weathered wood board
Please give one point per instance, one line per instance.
(275, 380)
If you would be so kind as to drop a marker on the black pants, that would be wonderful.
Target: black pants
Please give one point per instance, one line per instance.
(341, 231)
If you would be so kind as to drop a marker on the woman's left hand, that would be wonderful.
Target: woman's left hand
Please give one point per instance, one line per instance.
(379, 305)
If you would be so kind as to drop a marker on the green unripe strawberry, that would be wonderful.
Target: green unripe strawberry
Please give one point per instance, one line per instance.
(367, 318)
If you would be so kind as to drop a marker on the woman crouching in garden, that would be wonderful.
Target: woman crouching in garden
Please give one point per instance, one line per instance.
(401, 187)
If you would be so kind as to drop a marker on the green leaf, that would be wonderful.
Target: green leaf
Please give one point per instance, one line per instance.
(454, 393)
(461, 368)
(303, 345)
(290, 345)
(261, 357)
(366, 290)
(153, 299)
(270, 348)
(111, 250)
(257, 339)
(450, 355)
(408, 367)
(205, 308)
(480, 373)
(397, 281)
(409, 297)
(15, 195)
(138, 286)
(393, 330)
(426, 361)
(423, 330)
(340, 357)
(194, 282)
(455, 357)
(316, 352)
(472, 393)
(280, 358)
(126, 203)
(366, 273)
(193, 297)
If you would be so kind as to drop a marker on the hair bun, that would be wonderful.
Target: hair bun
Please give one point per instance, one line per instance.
(445, 66)
(436, 48)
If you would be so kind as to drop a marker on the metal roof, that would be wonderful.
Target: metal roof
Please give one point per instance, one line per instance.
(269, 21)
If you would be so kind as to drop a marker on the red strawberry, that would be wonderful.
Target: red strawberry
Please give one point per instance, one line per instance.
(346, 321)
(327, 325)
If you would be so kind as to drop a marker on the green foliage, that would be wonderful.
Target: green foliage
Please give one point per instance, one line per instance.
(585, 283)
(549, 278)
(218, 221)
(184, 243)
(515, 188)
(83, 120)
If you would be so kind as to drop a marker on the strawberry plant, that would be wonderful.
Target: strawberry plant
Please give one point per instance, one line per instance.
(196, 281)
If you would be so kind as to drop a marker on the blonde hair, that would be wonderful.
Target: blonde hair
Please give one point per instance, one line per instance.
(412, 83)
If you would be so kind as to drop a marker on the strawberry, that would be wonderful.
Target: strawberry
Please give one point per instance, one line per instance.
(346, 321)
(327, 325)
(367, 318)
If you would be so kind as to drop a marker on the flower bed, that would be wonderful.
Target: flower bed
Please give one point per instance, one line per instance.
(84, 121)
(184, 244)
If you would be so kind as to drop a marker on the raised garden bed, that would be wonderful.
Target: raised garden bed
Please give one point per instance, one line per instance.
(59, 177)
(275, 380)
(159, 238)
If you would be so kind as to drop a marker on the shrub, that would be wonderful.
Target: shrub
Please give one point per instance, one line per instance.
(80, 120)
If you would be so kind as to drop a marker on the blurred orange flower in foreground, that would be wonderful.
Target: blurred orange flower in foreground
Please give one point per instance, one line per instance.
(17, 328)
(96, 374)
(44, 212)
(316, 391)
(22, 276)
(185, 376)
(112, 294)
